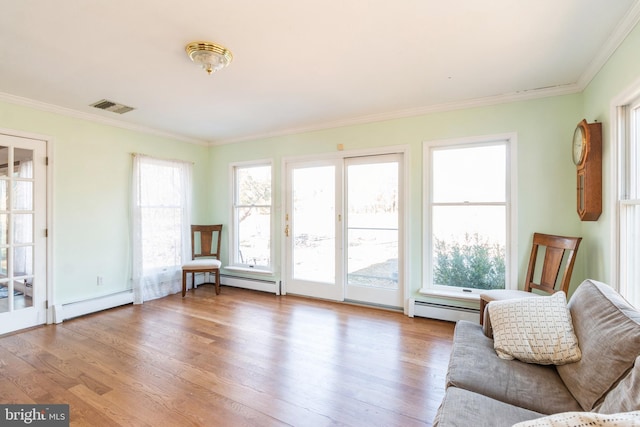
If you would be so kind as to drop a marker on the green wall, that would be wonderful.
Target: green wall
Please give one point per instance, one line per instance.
(92, 166)
(546, 184)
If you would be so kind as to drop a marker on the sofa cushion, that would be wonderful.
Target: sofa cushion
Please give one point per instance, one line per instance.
(534, 330)
(625, 396)
(608, 331)
(475, 366)
(582, 419)
(463, 408)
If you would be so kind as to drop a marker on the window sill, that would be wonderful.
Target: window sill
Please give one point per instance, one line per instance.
(248, 270)
(462, 296)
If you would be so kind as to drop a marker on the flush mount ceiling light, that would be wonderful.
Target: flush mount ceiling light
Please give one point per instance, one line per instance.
(210, 56)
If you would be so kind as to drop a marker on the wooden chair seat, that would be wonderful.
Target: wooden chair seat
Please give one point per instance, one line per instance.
(198, 264)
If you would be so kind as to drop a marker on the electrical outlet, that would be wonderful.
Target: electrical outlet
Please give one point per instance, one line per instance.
(100, 282)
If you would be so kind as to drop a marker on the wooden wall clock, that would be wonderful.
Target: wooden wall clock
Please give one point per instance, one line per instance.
(587, 156)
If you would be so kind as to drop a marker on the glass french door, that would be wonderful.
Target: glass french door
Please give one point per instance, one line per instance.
(22, 233)
(312, 229)
(373, 221)
(351, 250)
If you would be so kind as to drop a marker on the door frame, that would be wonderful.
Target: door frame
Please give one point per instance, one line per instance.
(49, 143)
(340, 154)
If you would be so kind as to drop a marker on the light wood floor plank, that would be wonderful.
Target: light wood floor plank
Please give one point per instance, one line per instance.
(242, 358)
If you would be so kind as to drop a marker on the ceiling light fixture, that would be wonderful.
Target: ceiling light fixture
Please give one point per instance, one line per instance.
(210, 56)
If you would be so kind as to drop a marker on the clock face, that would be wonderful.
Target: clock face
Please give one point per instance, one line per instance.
(578, 145)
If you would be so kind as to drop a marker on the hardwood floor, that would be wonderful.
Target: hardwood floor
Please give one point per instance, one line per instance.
(242, 358)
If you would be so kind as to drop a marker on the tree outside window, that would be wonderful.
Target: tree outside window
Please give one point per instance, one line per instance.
(252, 216)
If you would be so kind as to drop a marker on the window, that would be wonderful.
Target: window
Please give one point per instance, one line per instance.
(629, 200)
(161, 221)
(252, 213)
(468, 214)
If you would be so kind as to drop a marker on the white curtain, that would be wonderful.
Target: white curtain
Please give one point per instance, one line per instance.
(161, 214)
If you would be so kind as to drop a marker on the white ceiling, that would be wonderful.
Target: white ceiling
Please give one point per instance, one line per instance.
(298, 64)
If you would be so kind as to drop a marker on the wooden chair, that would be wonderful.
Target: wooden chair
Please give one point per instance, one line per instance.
(556, 247)
(206, 257)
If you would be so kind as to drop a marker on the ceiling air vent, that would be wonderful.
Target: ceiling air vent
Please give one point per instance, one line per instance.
(112, 106)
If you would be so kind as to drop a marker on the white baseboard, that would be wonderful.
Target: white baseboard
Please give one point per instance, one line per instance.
(61, 312)
(253, 284)
(80, 308)
(449, 313)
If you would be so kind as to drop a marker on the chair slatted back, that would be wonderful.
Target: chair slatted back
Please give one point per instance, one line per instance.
(208, 246)
(555, 249)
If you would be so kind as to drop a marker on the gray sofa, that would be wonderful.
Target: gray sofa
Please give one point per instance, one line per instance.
(484, 390)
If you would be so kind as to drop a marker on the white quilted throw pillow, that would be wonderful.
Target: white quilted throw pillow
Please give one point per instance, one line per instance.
(534, 330)
(584, 419)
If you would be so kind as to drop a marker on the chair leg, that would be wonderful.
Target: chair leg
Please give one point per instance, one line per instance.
(483, 304)
(218, 281)
(184, 283)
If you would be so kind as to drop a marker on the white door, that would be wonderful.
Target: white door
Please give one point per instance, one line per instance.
(351, 252)
(312, 229)
(23, 259)
(373, 224)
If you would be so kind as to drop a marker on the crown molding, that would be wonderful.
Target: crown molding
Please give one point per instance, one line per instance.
(371, 118)
(523, 95)
(50, 108)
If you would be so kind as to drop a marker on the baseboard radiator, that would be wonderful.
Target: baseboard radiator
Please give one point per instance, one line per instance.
(80, 308)
(70, 310)
(446, 312)
(264, 285)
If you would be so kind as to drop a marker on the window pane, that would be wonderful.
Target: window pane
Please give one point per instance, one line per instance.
(254, 185)
(252, 218)
(373, 258)
(468, 246)
(373, 195)
(160, 186)
(314, 230)
(629, 220)
(633, 157)
(4, 161)
(630, 252)
(469, 174)
(4, 229)
(254, 237)
(161, 237)
(23, 260)
(4, 195)
(23, 195)
(23, 228)
(4, 262)
(372, 225)
(23, 161)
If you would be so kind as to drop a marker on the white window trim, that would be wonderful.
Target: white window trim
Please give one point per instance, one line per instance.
(246, 268)
(511, 266)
